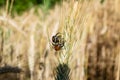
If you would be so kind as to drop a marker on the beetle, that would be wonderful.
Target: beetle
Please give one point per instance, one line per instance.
(58, 41)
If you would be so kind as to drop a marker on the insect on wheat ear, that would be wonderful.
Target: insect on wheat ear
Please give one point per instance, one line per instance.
(58, 41)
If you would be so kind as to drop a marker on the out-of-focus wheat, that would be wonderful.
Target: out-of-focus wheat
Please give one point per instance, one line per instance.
(118, 64)
(31, 53)
(80, 24)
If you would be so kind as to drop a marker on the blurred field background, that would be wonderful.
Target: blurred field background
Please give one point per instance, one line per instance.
(26, 29)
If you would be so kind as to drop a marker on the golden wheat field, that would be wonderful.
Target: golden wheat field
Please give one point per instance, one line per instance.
(87, 46)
